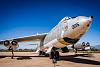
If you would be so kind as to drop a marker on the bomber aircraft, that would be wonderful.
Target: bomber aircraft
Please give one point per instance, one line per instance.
(67, 32)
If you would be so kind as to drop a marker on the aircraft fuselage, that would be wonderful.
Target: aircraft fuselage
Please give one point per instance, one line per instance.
(68, 31)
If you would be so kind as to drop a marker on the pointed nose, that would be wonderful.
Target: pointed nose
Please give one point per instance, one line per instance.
(91, 17)
(89, 21)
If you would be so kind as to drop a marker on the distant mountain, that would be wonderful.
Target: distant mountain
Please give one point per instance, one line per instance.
(97, 46)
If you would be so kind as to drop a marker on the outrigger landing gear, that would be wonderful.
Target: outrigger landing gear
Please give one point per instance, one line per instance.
(75, 51)
(12, 54)
(10, 48)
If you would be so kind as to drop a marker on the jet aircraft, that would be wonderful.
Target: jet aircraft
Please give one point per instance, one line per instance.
(67, 32)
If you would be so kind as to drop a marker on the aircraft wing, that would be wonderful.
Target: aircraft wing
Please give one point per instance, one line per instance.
(37, 37)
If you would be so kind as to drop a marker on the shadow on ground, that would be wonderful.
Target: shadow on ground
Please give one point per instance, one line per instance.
(72, 58)
(76, 59)
(2, 57)
(20, 57)
(23, 58)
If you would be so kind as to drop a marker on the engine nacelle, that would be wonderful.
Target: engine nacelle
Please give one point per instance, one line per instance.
(64, 49)
(11, 44)
(87, 44)
(6, 43)
(14, 44)
(82, 45)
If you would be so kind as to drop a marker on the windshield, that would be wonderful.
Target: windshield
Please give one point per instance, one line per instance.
(70, 17)
(66, 18)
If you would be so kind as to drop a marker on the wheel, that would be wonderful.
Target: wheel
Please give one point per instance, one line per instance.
(40, 52)
(46, 55)
(51, 56)
(57, 55)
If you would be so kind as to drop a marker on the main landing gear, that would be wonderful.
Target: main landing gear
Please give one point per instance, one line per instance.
(54, 54)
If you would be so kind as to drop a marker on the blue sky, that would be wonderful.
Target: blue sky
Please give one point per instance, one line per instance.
(27, 17)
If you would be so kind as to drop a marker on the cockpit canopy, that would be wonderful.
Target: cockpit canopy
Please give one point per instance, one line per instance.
(67, 18)
(70, 17)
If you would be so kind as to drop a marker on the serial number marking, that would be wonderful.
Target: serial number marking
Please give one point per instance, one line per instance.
(75, 25)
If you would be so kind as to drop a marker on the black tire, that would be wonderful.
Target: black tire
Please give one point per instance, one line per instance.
(40, 53)
(43, 53)
(46, 55)
(57, 55)
(51, 56)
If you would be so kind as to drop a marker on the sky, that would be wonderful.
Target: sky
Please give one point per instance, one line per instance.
(20, 18)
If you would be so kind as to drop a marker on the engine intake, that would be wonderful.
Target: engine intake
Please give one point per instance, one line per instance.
(6, 43)
(14, 43)
(64, 49)
(87, 44)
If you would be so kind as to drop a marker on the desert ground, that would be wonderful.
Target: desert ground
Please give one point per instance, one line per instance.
(31, 59)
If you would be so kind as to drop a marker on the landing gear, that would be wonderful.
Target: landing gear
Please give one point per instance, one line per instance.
(12, 54)
(57, 55)
(54, 55)
(75, 51)
(42, 53)
(10, 48)
(51, 56)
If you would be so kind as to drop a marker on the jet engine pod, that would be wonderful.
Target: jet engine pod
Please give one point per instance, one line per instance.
(87, 44)
(6, 43)
(64, 49)
(83, 44)
(14, 44)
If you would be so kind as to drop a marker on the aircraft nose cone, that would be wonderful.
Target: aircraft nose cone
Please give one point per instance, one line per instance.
(91, 17)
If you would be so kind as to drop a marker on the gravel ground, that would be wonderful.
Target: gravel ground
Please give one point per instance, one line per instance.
(31, 59)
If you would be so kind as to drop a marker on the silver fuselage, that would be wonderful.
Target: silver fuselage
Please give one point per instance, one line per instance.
(68, 31)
